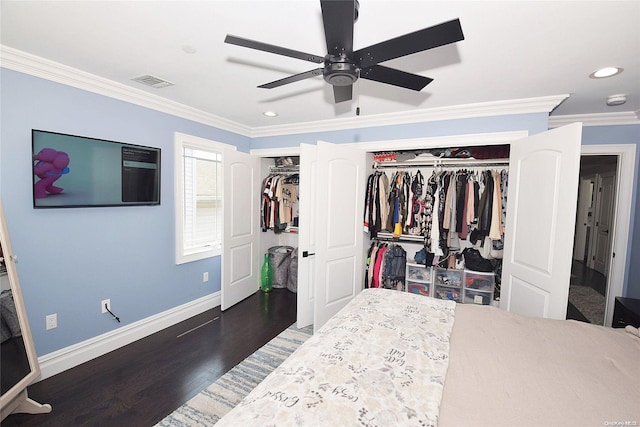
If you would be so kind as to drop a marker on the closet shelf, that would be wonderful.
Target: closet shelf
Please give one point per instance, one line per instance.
(448, 163)
(384, 235)
(284, 169)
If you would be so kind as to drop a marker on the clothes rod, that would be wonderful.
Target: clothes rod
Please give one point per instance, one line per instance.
(438, 164)
(285, 169)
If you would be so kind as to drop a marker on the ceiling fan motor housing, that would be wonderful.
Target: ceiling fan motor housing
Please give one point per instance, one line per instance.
(340, 71)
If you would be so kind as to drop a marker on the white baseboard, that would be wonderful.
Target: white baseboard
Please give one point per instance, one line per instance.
(74, 355)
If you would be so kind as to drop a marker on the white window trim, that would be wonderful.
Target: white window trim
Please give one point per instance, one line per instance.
(181, 141)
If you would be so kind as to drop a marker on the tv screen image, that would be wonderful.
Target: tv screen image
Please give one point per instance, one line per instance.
(77, 171)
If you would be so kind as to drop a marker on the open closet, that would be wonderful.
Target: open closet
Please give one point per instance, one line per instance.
(252, 218)
(436, 221)
(279, 217)
(333, 245)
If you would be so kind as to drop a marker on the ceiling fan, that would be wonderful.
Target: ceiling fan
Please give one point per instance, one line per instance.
(343, 66)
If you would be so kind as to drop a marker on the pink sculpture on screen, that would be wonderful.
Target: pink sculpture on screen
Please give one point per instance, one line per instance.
(51, 165)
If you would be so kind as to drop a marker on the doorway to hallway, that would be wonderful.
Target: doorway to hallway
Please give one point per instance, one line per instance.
(593, 236)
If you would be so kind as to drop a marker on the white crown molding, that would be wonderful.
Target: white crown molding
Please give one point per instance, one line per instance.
(600, 119)
(33, 65)
(543, 104)
(23, 62)
(275, 152)
(74, 355)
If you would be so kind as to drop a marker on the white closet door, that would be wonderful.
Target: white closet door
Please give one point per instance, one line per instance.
(240, 245)
(307, 235)
(541, 212)
(341, 183)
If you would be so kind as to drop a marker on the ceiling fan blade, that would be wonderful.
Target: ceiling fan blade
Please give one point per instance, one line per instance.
(291, 79)
(391, 76)
(338, 17)
(342, 93)
(428, 38)
(252, 44)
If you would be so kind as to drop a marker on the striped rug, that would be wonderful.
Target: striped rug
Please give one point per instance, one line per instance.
(206, 408)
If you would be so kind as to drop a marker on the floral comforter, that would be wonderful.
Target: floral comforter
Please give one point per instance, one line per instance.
(381, 361)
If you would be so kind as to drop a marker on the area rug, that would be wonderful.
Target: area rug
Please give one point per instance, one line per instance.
(589, 302)
(206, 408)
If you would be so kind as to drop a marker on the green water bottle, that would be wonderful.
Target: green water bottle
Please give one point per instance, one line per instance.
(265, 275)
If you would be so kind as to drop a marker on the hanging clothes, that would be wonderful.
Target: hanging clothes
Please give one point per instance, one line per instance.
(386, 266)
(453, 209)
(278, 207)
(376, 211)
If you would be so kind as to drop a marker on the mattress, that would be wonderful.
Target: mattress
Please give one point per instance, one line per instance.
(511, 370)
(381, 360)
(391, 358)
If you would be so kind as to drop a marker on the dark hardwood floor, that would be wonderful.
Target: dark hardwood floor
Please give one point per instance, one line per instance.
(141, 383)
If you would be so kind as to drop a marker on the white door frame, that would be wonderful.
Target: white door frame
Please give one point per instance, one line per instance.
(621, 217)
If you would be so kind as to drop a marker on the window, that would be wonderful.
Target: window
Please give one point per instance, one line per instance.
(198, 197)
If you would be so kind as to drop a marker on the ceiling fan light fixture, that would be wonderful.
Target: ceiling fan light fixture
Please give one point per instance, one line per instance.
(270, 114)
(605, 72)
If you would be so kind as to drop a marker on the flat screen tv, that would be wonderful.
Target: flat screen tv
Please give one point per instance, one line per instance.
(75, 171)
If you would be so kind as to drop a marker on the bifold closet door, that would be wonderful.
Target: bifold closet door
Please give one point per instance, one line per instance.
(541, 211)
(240, 241)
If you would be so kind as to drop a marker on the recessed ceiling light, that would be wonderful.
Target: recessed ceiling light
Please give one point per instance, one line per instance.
(606, 72)
(270, 114)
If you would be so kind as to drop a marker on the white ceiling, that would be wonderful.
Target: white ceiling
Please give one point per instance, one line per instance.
(512, 50)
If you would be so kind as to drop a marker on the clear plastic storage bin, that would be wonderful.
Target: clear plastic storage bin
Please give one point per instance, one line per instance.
(448, 284)
(478, 287)
(418, 278)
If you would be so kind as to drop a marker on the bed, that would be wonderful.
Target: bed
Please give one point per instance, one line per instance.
(392, 358)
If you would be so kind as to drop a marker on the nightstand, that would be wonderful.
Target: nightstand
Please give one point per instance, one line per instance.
(626, 311)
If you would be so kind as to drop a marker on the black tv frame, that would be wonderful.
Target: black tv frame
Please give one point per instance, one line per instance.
(96, 172)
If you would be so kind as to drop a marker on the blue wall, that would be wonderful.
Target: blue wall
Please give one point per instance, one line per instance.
(71, 259)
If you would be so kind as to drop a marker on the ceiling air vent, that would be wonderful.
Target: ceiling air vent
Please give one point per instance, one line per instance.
(152, 81)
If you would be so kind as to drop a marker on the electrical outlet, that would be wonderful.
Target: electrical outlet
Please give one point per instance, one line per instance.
(103, 303)
(52, 321)
(205, 276)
